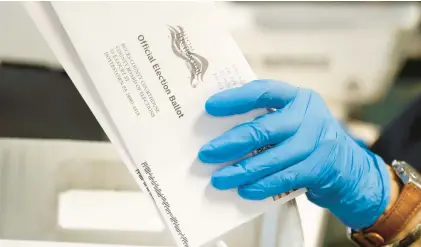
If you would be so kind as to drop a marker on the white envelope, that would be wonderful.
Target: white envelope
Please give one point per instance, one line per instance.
(146, 70)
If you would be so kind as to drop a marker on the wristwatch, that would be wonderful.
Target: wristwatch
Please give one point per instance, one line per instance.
(391, 222)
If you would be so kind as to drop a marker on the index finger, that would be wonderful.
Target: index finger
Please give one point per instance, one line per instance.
(253, 95)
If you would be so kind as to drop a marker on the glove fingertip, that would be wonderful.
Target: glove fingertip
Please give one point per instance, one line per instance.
(206, 156)
(223, 104)
(220, 183)
(212, 107)
(217, 151)
(251, 193)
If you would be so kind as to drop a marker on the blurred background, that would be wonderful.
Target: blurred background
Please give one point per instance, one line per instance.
(61, 180)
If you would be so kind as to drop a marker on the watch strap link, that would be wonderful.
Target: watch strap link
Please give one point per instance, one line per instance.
(392, 221)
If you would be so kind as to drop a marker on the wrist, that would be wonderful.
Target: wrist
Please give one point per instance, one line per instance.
(395, 189)
(370, 198)
(398, 224)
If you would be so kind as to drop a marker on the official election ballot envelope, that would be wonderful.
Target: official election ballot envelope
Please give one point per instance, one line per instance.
(146, 70)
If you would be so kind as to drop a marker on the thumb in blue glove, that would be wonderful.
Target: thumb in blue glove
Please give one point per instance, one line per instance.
(310, 150)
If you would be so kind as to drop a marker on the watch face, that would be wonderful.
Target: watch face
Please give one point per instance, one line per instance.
(407, 173)
(412, 173)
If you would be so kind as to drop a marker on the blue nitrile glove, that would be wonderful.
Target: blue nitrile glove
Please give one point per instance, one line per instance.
(359, 141)
(311, 150)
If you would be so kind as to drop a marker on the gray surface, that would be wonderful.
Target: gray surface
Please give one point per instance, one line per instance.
(37, 102)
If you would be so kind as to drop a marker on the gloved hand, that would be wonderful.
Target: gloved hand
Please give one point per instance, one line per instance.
(311, 150)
